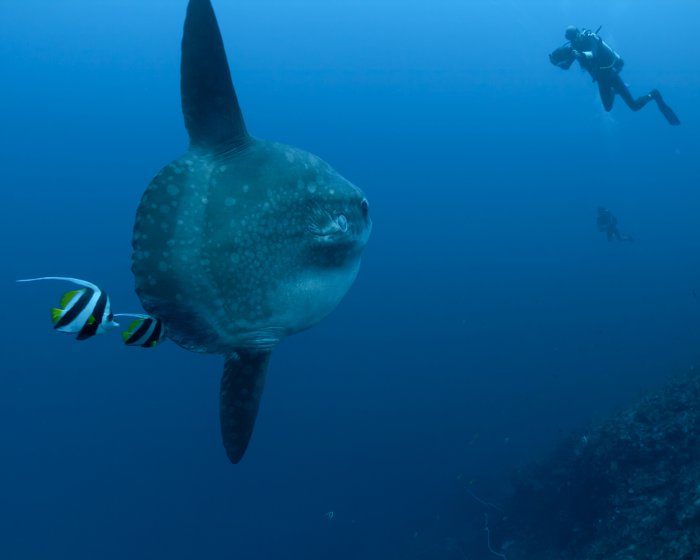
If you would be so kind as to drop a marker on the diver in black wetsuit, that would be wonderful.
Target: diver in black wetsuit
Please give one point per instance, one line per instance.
(608, 223)
(604, 65)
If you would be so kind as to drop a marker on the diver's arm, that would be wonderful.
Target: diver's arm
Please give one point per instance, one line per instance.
(592, 42)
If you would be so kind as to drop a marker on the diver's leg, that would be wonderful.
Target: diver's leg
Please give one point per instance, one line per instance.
(613, 233)
(607, 94)
(634, 104)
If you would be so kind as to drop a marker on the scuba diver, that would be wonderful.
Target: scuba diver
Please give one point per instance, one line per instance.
(604, 65)
(608, 223)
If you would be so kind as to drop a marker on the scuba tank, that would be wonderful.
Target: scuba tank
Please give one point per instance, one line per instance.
(606, 57)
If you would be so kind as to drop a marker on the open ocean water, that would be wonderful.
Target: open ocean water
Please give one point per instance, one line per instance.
(490, 318)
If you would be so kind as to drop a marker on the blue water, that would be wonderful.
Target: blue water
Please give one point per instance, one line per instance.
(490, 317)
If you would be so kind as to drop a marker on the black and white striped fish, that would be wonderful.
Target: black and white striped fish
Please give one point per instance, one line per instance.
(85, 311)
(145, 331)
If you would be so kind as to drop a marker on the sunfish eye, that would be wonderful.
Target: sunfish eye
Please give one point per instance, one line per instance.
(364, 206)
(342, 222)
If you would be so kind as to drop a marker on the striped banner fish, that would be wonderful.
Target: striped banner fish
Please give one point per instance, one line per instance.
(145, 331)
(85, 311)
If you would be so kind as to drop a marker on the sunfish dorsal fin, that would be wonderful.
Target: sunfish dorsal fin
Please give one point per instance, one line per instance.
(209, 103)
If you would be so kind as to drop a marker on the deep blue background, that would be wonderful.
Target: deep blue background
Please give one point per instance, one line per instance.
(489, 319)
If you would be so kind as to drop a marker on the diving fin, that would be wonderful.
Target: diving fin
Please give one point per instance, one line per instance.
(666, 111)
(241, 388)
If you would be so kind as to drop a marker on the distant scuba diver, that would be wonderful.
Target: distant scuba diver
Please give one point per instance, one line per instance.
(604, 65)
(608, 223)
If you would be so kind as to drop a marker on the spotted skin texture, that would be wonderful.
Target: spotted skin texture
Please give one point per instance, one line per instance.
(239, 251)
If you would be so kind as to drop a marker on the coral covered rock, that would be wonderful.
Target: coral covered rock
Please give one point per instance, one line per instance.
(628, 489)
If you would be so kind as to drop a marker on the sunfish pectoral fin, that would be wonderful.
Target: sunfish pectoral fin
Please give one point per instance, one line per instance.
(241, 388)
(209, 103)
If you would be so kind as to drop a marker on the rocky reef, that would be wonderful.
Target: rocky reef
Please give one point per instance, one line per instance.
(627, 489)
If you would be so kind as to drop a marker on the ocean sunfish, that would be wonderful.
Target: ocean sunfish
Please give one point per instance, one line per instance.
(240, 242)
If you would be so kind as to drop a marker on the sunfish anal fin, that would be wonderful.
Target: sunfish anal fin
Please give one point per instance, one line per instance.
(241, 388)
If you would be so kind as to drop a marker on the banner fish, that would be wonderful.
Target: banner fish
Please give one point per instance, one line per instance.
(85, 311)
(145, 331)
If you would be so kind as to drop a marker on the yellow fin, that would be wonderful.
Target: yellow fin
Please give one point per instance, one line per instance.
(131, 329)
(56, 315)
(68, 296)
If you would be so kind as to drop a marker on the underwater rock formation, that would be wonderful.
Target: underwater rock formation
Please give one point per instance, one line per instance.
(628, 489)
